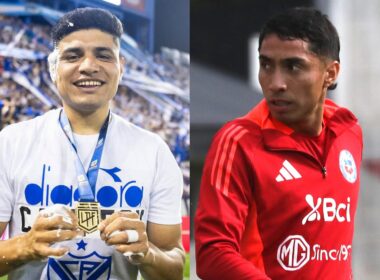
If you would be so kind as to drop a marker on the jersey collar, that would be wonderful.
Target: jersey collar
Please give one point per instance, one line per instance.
(277, 135)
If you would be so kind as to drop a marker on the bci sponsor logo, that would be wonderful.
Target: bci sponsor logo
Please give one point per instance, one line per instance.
(295, 252)
(124, 194)
(327, 209)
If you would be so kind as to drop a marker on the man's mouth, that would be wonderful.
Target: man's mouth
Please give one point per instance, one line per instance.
(89, 83)
(280, 103)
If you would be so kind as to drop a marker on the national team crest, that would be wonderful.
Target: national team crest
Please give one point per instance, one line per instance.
(89, 267)
(347, 166)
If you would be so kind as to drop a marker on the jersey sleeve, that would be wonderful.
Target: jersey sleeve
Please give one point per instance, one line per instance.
(224, 203)
(166, 196)
(6, 189)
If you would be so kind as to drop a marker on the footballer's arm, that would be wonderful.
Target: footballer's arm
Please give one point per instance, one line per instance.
(225, 201)
(167, 253)
(35, 244)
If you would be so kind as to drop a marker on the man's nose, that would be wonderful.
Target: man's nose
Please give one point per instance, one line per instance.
(89, 66)
(277, 82)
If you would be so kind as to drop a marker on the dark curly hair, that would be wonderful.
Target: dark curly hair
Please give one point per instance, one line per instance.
(307, 24)
(86, 18)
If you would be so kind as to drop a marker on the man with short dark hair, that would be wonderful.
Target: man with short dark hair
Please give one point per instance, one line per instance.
(280, 185)
(123, 181)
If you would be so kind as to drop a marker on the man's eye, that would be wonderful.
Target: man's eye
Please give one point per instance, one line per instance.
(104, 56)
(265, 65)
(71, 57)
(293, 66)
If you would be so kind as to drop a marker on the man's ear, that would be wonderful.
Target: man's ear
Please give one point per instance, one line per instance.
(122, 66)
(332, 72)
(52, 63)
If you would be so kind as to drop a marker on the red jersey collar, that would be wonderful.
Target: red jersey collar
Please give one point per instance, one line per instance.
(261, 116)
(276, 134)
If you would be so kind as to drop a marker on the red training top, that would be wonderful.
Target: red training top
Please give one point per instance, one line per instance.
(278, 205)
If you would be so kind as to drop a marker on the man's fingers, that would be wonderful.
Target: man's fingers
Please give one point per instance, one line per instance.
(123, 223)
(54, 222)
(126, 236)
(59, 210)
(133, 248)
(117, 222)
(116, 215)
(57, 235)
(73, 217)
(45, 251)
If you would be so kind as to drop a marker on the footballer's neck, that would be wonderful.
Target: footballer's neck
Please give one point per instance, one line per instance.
(86, 122)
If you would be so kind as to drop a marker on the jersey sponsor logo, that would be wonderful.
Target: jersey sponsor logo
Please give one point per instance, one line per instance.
(295, 252)
(119, 194)
(287, 172)
(89, 267)
(339, 254)
(327, 210)
(347, 166)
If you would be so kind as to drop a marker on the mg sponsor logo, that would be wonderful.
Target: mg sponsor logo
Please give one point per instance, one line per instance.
(327, 209)
(294, 253)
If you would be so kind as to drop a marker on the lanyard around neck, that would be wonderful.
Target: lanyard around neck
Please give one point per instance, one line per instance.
(86, 181)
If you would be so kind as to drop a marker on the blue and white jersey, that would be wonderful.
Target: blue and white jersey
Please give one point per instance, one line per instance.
(137, 173)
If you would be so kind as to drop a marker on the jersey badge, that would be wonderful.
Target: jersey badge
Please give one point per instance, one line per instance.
(90, 267)
(347, 166)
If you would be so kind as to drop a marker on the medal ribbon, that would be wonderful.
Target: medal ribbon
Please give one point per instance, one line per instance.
(86, 181)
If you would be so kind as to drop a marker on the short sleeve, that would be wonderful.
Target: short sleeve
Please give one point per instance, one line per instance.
(6, 189)
(166, 195)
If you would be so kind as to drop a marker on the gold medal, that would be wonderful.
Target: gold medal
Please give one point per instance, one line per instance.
(88, 214)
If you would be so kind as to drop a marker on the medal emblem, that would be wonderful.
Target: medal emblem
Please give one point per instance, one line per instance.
(88, 214)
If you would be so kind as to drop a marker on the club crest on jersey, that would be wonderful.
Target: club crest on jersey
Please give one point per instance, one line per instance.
(347, 166)
(89, 267)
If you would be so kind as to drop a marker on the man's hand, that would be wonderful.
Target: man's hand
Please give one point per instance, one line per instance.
(52, 225)
(128, 234)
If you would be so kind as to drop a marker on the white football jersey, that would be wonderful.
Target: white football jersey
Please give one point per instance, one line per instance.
(37, 169)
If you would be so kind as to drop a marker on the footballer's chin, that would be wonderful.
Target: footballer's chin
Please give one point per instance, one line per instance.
(87, 106)
(286, 118)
